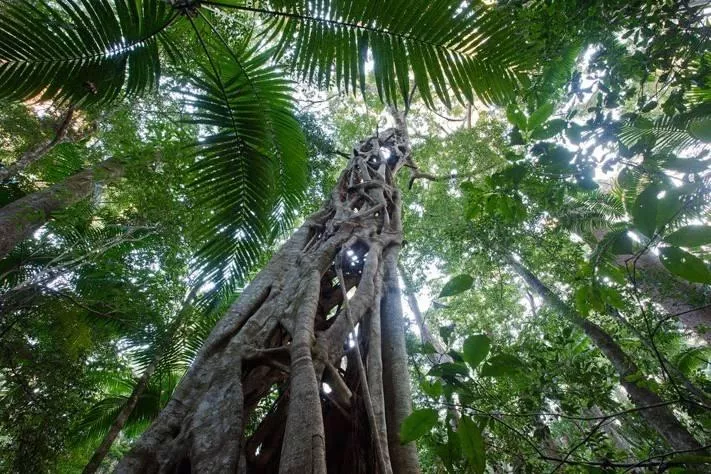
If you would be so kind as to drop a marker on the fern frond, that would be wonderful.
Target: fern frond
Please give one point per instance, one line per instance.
(592, 211)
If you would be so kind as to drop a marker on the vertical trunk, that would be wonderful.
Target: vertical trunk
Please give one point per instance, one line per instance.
(395, 371)
(661, 418)
(291, 329)
(685, 301)
(103, 449)
(36, 153)
(19, 219)
(125, 413)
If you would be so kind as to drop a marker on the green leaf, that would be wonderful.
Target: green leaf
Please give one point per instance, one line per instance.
(448, 370)
(685, 165)
(574, 133)
(644, 210)
(81, 51)
(472, 444)
(685, 265)
(701, 129)
(456, 285)
(418, 424)
(501, 365)
(433, 389)
(516, 117)
(690, 236)
(470, 53)
(539, 116)
(476, 348)
(445, 332)
(548, 129)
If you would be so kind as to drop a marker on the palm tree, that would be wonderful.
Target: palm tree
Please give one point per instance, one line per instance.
(333, 360)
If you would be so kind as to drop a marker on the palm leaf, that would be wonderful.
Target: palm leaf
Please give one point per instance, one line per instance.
(250, 174)
(466, 48)
(668, 133)
(74, 50)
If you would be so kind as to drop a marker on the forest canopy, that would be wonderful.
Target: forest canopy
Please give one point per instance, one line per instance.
(355, 236)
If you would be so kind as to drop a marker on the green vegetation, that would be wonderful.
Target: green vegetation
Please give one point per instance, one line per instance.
(204, 205)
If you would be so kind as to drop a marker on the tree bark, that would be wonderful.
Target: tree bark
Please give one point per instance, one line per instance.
(103, 449)
(685, 301)
(660, 418)
(36, 153)
(19, 219)
(290, 329)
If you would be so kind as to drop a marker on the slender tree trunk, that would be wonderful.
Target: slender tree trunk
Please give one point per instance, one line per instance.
(36, 153)
(685, 301)
(103, 449)
(19, 219)
(672, 370)
(660, 418)
(290, 331)
(125, 413)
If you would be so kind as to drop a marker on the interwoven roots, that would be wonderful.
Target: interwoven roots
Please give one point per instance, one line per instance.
(290, 343)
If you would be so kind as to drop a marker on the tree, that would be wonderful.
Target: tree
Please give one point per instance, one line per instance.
(660, 418)
(317, 341)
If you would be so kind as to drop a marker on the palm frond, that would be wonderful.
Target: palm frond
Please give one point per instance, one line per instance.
(81, 50)
(461, 49)
(250, 174)
(592, 211)
(669, 133)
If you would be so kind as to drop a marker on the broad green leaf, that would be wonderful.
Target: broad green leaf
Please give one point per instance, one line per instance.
(501, 365)
(621, 244)
(685, 265)
(548, 129)
(445, 332)
(670, 205)
(574, 133)
(428, 348)
(433, 389)
(644, 211)
(456, 285)
(418, 424)
(476, 348)
(516, 117)
(690, 236)
(448, 370)
(539, 116)
(472, 443)
(557, 159)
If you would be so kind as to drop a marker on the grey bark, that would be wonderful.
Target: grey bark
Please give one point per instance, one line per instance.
(685, 301)
(660, 418)
(36, 153)
(20, 218)
(280, 332)
(395, 370)
(103, 449)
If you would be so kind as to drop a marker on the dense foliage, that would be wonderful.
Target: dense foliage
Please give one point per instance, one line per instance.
(154, 154)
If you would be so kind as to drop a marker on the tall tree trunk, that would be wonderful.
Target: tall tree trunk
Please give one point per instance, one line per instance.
(290, 331)
(127, 410)
(660, 418)
(682, 300)
(19, 219)
(36, 153)
(119, 422)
